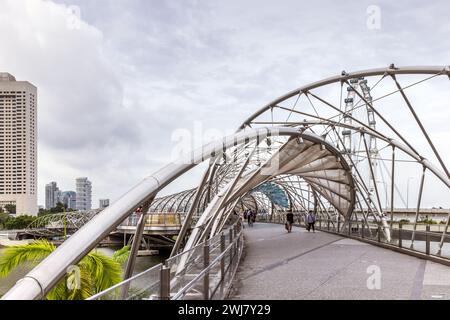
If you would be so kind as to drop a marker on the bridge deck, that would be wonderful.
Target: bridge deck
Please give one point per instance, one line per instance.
(302, 265)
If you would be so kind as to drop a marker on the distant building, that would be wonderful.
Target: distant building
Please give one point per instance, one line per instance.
(52, 195)
(103, 203)
(18, 144)
(84, 194)
(69, 199)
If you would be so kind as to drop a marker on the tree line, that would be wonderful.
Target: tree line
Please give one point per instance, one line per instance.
(9, 221)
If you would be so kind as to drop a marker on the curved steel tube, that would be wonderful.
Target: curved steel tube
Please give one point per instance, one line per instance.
(39, 281)
(445, 70)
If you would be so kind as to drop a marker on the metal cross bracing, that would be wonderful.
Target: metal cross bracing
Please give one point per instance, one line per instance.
(343, 156)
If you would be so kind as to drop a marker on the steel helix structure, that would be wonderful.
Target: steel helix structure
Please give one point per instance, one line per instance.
(344, 147)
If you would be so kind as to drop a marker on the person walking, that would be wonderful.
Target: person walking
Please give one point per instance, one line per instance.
(242, 217)
(249, 218)
(311, 219)
(289, 221)
(253, 216)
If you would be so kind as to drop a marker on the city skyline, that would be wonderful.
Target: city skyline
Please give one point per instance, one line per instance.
(170, 150)
(54, 194)
(198, 63)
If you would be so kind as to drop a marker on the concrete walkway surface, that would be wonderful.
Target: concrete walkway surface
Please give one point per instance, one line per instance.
(300, 265)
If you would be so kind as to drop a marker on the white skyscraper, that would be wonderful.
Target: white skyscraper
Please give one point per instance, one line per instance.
(84, 194)
(18, 143)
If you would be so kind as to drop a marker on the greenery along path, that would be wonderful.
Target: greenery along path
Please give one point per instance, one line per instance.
(94, 273)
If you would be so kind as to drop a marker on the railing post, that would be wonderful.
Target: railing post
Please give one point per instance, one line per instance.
(328, 224)
(427, 240)
(400, 234)
(349, 228)
(222, 261)
(379, 234)
(234, 237)
(231, 241)
(238, 243)
(362, 229)
(164, 290)
(206, 277)
(339, 224)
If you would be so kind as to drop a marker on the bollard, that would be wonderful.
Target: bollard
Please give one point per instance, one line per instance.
(349, 228)
(400, 242)
(427, 239)
(328, 224)
(164, 289)
(379, 234)
(206, 277)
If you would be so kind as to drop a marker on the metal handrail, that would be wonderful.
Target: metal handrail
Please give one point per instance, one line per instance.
(207, 269)
(379, 238)
(118, 285)
(212, 241)
(198, 246)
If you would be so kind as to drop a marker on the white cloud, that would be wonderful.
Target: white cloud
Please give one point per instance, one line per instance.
(83, 123)
(112, 91)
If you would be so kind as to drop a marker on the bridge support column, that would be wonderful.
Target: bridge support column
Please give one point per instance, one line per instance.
(362, 229)
(231, 241)
(222, 261)
(135, 246)
(206, 276)
(339, 224)
(235, 232)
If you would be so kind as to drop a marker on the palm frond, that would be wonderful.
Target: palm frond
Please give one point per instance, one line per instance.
(121, 255)
(74, 286)
(14, 256)
(104, 270)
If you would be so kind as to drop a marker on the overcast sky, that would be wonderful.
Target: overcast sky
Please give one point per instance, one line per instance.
(115, 84)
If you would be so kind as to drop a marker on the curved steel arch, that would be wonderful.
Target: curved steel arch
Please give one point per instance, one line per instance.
(39, 281)
(344, 76)
(226, 183)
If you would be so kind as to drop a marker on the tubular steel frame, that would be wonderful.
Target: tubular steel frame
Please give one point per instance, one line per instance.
(316, 170)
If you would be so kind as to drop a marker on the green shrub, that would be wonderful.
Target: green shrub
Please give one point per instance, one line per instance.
(19, 222)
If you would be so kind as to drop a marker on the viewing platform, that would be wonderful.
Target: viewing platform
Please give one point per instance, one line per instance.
(155, 224)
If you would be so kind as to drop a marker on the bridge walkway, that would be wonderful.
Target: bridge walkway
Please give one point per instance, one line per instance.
(302, 265)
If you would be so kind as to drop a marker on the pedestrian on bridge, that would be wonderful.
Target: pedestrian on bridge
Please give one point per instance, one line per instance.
(311, 219)
(249, 218)
(289, 221)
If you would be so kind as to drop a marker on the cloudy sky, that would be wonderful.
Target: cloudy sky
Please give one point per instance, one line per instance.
(116, 78)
